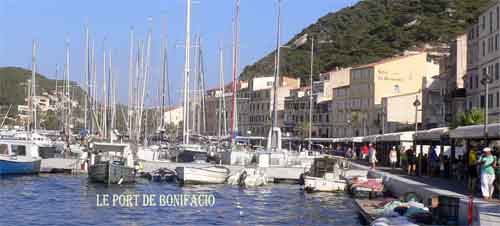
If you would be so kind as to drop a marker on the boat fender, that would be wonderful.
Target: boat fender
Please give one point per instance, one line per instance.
(302, 179)
(241, 180)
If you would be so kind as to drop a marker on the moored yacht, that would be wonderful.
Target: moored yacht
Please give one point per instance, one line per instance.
(111, 163)
(19, 157)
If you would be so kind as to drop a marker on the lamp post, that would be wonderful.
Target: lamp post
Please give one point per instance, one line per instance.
(486, 80)
(352, 132)
(416, 104)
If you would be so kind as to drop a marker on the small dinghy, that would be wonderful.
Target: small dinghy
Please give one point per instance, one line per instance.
(250, 177)
(203, 175)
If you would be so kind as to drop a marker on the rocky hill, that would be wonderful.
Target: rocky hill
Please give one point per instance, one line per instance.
(372, 30)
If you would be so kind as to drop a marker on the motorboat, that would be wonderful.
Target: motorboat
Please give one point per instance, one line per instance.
(191, 152)
(324, 176)
(328, 183)
(202, 175)
(111, 163)
(19, 157)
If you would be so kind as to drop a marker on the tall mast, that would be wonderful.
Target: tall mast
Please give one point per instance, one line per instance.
(311, 94)
(33, 86)
(202, 93)
(86, 76)
(187, 47)
(130, 80)
(163, 86)
(236, 30)
(67, 89)
(222, 99)
(104, 96)
(276, 75)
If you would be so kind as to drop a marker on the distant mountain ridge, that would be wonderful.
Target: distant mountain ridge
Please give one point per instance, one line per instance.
(369, 31)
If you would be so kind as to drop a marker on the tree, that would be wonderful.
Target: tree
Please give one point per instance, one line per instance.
(304, 129)
(474, 117)
(358, 119)
(49, 121)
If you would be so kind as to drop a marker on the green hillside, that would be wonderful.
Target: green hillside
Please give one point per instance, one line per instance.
(372, 30)
(13, 85)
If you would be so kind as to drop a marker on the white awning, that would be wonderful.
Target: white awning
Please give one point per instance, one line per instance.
(432, 134)
(396, 137)
(370, 139)
(357, 139)
(476, 131)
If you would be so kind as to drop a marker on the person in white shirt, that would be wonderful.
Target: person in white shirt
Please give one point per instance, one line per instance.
(393, 157)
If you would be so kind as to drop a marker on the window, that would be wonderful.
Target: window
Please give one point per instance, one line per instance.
(496, 42)
(471, 82)
(484, 48)
(498, 99)
(482, 101)
(4, 149)
(490, 100)
(477, 81)
(497, 71)
(491, 21)
(483, 24)
(498, 17)
(19, 150)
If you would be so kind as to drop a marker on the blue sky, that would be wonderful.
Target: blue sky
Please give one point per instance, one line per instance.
(52, 21)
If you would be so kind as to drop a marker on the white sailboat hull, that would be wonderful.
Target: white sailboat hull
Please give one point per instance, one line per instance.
(317, 184)
(206, 175)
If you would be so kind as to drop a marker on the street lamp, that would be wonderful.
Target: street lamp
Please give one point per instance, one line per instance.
(486, 81)
(352, 132)
(416, 104)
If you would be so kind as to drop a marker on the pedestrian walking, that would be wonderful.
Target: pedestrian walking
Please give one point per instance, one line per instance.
(372, 155)
(364, 151)
(497, 175)
(393, 157)
(412, 162)
(472, 170)
(487, 162)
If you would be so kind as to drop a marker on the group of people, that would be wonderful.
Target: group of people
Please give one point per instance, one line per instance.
(487, 167)
(366, 152)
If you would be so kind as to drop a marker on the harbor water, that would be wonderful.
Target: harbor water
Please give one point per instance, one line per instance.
(57, 199)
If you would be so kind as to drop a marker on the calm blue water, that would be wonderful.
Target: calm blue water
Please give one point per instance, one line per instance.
(71, 200)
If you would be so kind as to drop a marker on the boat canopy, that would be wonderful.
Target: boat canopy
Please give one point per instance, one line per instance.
(396, 137)
(109, 147)
(476, 131)
(249, 138)
(432, 135)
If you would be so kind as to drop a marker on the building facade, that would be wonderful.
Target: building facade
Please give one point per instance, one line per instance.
(369, 84)
(255, 105)
(484, 61)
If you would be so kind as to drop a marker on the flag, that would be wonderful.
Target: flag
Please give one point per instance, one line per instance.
(300, 41)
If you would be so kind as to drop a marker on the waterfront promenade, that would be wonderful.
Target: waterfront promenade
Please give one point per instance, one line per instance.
(485, 213)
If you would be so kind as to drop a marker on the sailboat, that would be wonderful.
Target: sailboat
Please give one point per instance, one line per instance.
(111, 160)
(22, 156)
